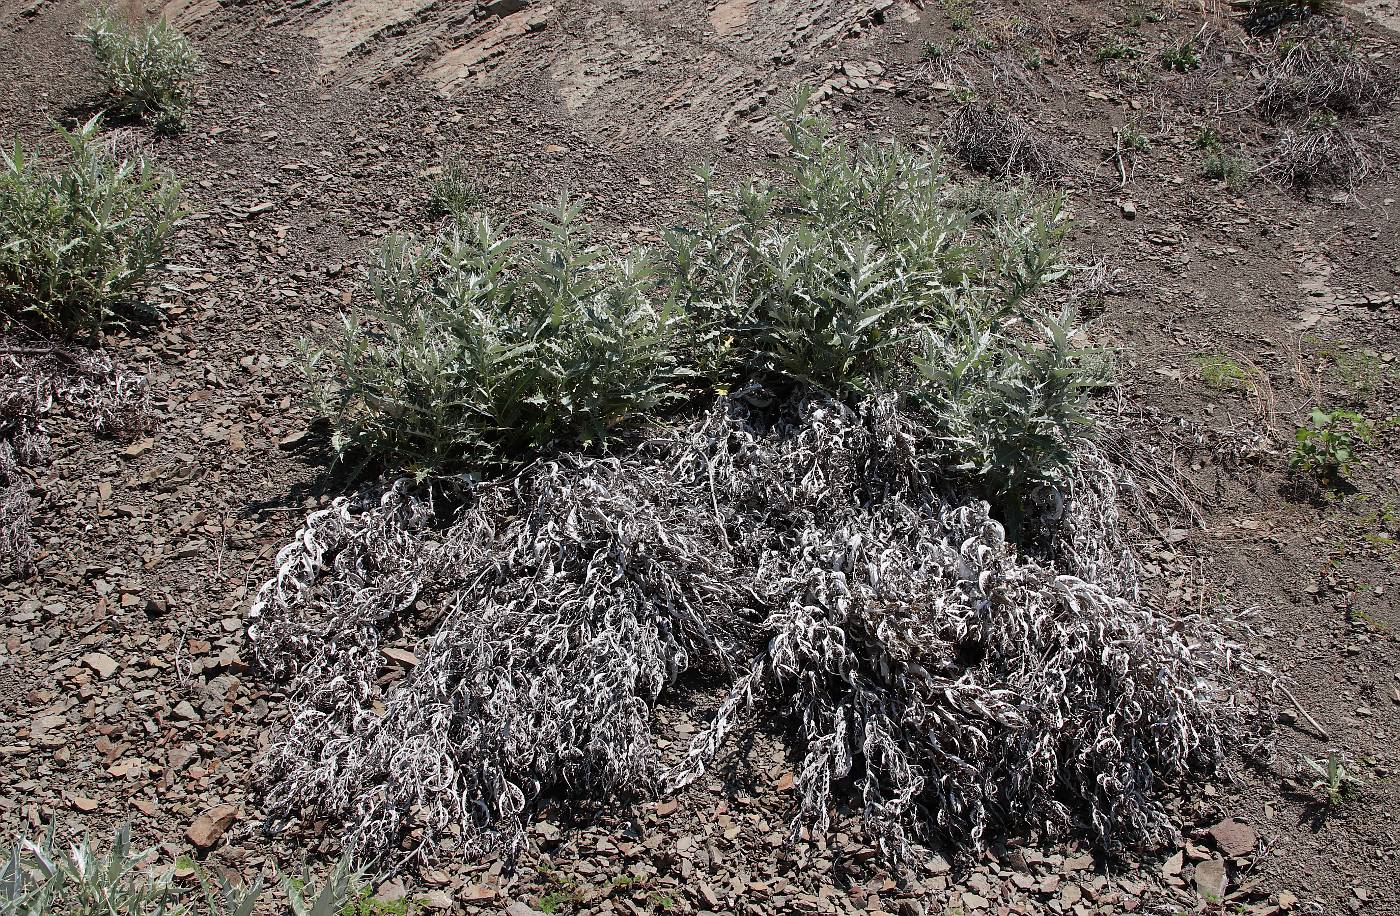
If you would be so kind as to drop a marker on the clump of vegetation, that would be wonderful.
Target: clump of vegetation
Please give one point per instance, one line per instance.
(1117, 50)
(1181, 58)
(1326, 448)
(885, 470)
(1222, 373)
(151, 70)
(483, 347)
(453, 191)
(1218, 163)
(40, 880)
(1261, 16)
(79, 242)
(1322, 152)
(994, 141)
(1323, 70)
(1333, 779)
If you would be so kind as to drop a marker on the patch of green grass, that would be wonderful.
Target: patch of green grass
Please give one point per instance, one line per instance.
(1222, 373)
(77, 242)
(150, 69)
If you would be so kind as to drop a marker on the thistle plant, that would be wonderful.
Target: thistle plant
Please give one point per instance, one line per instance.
(150, 69)
(77, 244)
(882, 520)
(1333, 779)
(38, 879)
(483, 348)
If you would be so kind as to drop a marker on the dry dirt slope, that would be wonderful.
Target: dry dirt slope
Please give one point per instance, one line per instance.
(317, 120)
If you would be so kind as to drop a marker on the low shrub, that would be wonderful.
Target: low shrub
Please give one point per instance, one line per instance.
(76, 244)
(150, 69)
(883, 522)
(483, 347)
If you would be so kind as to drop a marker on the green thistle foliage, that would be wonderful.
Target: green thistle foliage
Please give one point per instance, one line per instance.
(1005, 410)
(76, 245)
(865, 271)
(150, 69)
(484, 347)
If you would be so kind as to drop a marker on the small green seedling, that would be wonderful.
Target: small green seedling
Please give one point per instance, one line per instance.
(1334, 780)
(1182, 58)
(1328, 446)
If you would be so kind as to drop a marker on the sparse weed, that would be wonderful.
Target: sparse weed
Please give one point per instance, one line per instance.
(453, 190)
(77, 243)
(1182, 58)
(1334, 780)
(1233, 170)
(1222, 373)
(1128, 141)
(150, 69)
(1117, 51)
(1326, 448)
(1362, 373)
(1219, 164)
(959, 13)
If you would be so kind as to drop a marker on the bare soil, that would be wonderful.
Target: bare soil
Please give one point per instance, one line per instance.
(316, 124)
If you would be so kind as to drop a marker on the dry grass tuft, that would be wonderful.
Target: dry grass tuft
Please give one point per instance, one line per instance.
(1319, 154)
(1323, 70)
(996, 142)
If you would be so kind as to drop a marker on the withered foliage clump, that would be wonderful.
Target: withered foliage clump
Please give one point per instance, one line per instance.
(1322, 69)
(814, 557)
(994, 141)
(39, 383)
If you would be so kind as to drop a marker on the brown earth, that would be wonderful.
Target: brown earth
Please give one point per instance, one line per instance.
(124, 688)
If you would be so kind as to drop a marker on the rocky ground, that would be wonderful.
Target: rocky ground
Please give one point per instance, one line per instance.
(125, 691)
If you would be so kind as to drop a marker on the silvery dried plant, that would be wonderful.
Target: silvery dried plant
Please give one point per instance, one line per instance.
(810, 555)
